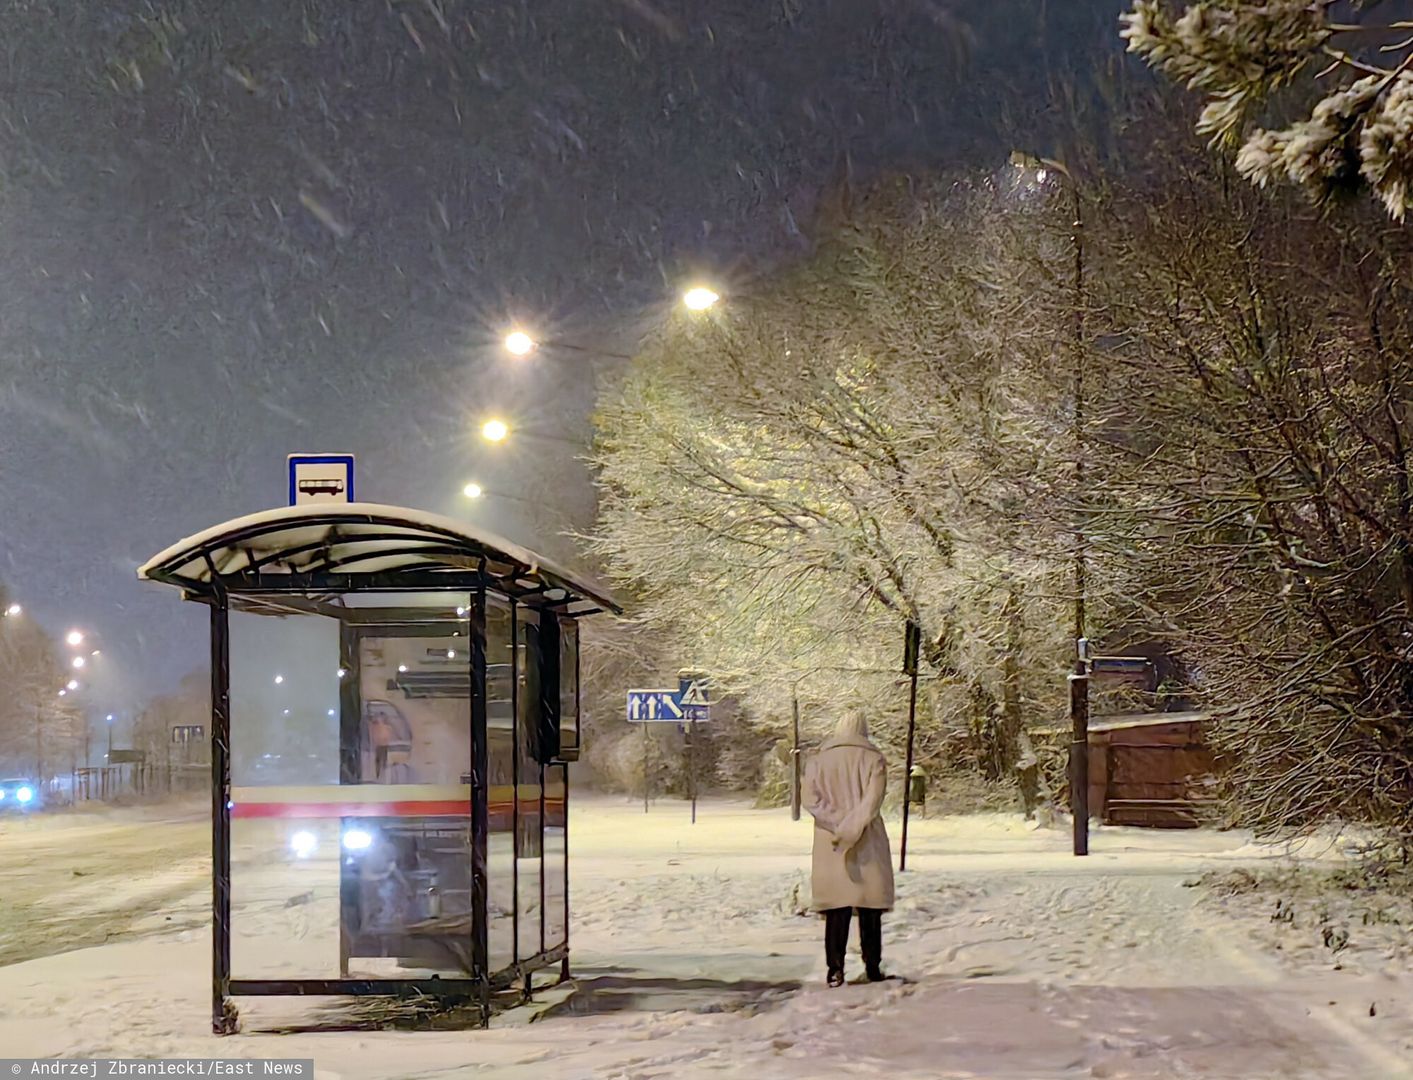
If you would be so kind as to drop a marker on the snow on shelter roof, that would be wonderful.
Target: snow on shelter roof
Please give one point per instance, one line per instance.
(354, 542)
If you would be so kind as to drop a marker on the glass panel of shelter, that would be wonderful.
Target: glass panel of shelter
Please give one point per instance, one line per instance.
(528, 792)
(500, 736)
(407, 840)
(352, 845)
(284, 836)
(351, 832)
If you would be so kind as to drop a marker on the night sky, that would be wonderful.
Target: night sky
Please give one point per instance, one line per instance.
(232, 229)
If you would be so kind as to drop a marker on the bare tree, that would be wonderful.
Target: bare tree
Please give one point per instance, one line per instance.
(1252, 431)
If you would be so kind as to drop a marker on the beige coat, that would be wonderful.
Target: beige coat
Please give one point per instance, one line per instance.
(843, 790)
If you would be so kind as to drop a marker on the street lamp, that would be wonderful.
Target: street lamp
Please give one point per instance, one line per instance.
(519, 343)
(75, 638)
(1079, 678)
(495, 430)
(699, 298)
(14, 611)
(472, 491)
(78, 662)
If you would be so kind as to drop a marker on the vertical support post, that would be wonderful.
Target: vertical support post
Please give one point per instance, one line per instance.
(1079, 747)
(223, 1016)
(912, 641)
(795, 755)
(646, 765)
(908, 767)
(692, 768)
(522, 642)
(564, 770)
(350, 772)
(1079, 682)
(480, 809)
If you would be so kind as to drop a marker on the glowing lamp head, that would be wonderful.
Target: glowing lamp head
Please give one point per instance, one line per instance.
(699, 298)
(495, 430)
(303, 843)
(24, 794)
(78, 662)
(72, 684)
(74, 637)
(472, 491)
(13, 610)
(519, 343)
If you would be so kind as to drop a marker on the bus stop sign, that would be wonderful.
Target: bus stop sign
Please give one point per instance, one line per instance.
(320, 478)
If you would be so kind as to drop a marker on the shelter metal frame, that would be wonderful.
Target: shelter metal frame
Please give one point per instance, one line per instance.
(309, 560)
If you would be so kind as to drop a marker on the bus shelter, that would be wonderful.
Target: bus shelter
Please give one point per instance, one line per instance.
(394, 705)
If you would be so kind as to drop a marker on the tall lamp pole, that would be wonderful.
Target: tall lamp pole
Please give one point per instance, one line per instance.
(1079, 677)
(1079, 680)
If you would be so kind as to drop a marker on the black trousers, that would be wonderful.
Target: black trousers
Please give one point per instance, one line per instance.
(836, 936)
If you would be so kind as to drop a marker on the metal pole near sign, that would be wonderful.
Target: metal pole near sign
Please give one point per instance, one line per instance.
(645, 768)
(795, 757)
(691, 769)
(1079, 747)
(911, 641)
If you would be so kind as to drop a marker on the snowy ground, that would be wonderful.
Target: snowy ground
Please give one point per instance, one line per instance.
(691, 962)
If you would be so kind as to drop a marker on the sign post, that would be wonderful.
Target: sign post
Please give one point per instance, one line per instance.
(688, 705)
(912, 640)
(1079, 747)
(652, 707)
(795, 756)
(696, 706)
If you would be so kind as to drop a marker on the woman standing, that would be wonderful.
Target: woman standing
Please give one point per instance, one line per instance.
(852, 866)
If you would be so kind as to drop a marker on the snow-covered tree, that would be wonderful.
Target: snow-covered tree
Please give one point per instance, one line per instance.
(789, 481)
(1242, 54)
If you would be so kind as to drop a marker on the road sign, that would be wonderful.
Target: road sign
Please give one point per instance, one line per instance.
(1118, 665)
(653, 707)
(1137, 670)
(320, 478)
(693, 700)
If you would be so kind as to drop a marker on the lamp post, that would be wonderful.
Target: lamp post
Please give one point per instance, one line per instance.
(475, 492)
(1079, 677)
(520, 343)
(498, 431)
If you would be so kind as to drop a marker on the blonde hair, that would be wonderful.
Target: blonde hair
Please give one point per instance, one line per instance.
(853, 724)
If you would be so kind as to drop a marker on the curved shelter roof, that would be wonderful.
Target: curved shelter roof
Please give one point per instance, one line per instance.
(350, 546)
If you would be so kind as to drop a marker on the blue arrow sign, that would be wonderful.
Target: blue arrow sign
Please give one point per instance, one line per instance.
(653, 707)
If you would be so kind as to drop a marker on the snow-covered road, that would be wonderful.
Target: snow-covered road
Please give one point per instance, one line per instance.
(70, 880)
(692, 962)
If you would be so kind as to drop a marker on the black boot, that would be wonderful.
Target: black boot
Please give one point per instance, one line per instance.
(871, 943)
(836, 938)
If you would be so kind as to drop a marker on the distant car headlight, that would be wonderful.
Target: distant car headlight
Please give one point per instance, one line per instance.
(24, 794)
(2, 793)
(357, 840)
(303, 844)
